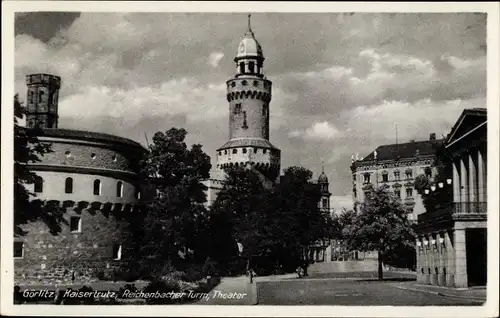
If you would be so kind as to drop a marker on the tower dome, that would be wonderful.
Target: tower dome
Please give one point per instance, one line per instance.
(322, 178)
(249, 46)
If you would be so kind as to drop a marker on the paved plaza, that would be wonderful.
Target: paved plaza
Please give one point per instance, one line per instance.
(343, 289)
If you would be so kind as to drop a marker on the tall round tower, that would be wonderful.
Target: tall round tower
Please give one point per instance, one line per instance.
(43, 91)
(249, 95)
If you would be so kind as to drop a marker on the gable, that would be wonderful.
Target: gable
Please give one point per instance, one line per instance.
(468, 120)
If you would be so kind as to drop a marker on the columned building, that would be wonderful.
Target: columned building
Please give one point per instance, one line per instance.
(451, 243)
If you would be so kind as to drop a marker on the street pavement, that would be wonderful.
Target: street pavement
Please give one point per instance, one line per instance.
(360, 292)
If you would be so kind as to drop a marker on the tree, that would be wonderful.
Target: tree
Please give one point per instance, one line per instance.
(242, 204)
(173, 218)
(381, 226)
(27, 149)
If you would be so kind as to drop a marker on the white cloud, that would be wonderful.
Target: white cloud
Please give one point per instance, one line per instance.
(215, 58)
(318, 131)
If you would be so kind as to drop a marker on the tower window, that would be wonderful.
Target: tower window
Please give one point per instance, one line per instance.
(30, 96)
(68, 154)
(237, 109)
(325, 203)
(97, 187)
(255, 83)
(117, 251)
(40, 96)
(119, 189)
(18, 249)
(235, 151)
(38, 184)
(68, 185)
(264, 151)
(244, 83)
(244, 150)
(75, 224)
(93, 156)
(233, 84)
(242, 67)
(225, 151)
(251, 66)
(264, 109)
(255, 150)
(244, 126)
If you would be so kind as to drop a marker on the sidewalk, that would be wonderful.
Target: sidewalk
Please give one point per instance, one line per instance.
(476, 293)
(231, 291)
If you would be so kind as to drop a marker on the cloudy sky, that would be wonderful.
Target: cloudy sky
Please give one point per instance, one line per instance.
(341, 82)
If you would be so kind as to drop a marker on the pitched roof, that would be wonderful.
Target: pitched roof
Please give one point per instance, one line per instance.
(406, 150)
(261, 143)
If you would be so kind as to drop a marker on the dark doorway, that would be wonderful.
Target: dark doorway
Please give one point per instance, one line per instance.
(476, 256)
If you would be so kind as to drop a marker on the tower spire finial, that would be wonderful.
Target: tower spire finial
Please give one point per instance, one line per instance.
(322, 167)
(249, 26)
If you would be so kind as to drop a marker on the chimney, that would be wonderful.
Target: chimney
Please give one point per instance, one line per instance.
(432, 136)
(413, 140)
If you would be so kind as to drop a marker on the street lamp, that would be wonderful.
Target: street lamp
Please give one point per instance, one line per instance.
(448, 181)
(426, 191)
(440, 184)
(433, 188)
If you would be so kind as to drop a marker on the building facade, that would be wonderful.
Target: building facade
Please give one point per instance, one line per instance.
(395, 167)
(452, 235)
(88, 177)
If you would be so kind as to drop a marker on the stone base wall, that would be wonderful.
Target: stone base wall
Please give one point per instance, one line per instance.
(65, 257)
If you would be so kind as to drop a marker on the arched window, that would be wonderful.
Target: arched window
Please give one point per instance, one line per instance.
(68, 185)
(235, 150)
(38, 184)
(97, 187)
(251, 66)
(119, 189)
(40, 96)
(242, 67)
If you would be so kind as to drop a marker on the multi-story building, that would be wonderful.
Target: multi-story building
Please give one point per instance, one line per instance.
(92, 179)
(395, 167)
(451, 243)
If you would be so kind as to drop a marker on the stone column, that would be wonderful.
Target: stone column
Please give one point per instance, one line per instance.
(481, 175)
(464, 193)
(428, 258)
(434, 260)
(460, 258)
(456, 182)
(450, 260)
(442, 259)
(418, 259)
(472, 179)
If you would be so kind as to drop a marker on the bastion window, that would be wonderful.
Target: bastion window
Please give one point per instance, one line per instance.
(18, 249)
(117, 251)
(75, 224)
(97, 187)
(119, 189)
(38, 184)
(237, 109)
(325, 203)
(68, 185)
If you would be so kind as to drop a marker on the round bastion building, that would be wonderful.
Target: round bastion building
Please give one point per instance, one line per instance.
(90, 177)
(249, 96)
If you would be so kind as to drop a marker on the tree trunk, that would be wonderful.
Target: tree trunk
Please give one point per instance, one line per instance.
(380, 269)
